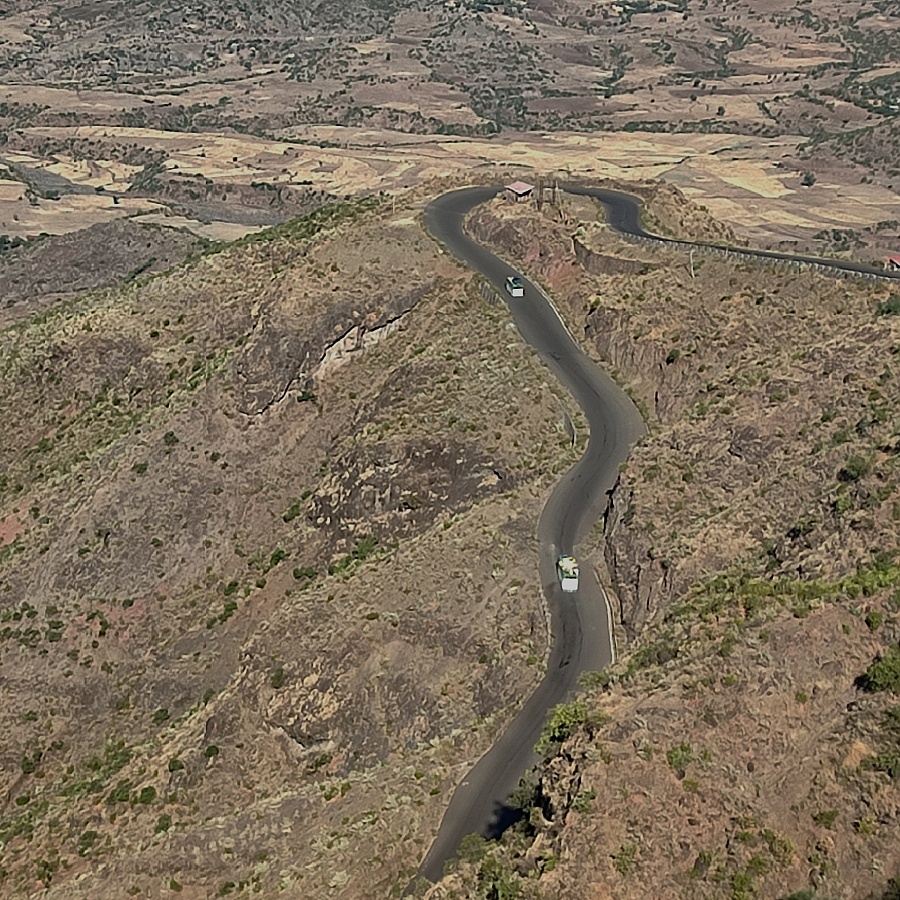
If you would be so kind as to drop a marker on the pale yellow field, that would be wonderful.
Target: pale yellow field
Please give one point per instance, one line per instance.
(213, 231)
(70, 213)
(796, 55)
(12, 31)
(735, 176)
(878, 73)
(71, 100)
(11, 191)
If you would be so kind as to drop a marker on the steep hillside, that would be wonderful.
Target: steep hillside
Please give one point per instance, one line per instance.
(267, 565)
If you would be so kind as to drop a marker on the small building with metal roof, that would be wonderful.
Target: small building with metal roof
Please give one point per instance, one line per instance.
(519, 190)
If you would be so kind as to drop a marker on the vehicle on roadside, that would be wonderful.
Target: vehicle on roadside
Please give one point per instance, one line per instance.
(514, 286)
(567, 570)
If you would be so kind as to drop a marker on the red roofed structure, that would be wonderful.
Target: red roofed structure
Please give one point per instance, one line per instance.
(519, 190)
(892, 263)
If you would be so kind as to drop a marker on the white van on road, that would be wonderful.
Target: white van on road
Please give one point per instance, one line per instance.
(514, 286)
(567, 570)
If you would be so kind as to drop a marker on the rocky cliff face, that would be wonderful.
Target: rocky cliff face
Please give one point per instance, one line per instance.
(601, 264)
(643, 581)
(281, 353)
(735, 368)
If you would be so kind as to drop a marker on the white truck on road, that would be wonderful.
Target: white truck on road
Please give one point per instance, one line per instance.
(567, 570)
(514, 286)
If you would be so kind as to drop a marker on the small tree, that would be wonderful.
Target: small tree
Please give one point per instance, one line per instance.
(808, 179)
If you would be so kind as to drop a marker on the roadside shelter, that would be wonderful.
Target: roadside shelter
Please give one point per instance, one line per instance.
(519, 190)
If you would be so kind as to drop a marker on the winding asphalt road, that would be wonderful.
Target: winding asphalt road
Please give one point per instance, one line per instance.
(623, 214)
(580, 623)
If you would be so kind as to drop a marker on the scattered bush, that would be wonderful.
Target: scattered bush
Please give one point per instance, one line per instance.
(679, 757)
(884, 673)
(86, 841)
(564, 719)
(623, 859)
(889, 307)
(276, 558)
(120, 793)
(827, 817)
(854, 469)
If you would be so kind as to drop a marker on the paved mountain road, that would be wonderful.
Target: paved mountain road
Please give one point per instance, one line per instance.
(581, 638)
(623, 214)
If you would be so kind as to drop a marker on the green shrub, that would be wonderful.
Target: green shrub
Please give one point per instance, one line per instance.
(293, 511)
(276, 679)
(563, 720)
(364, 548)
(147, 795)
(160, 716)
(277, 557)
(854, 469)
(86, 841)
(163, 823)
(229, 608)
(120, 793)
(889, 307)
(884, 673)
(679, 756)
(29, 764)
(211, 751)
(472, 848)
(623, 859)
(175, 765)
(826, 817)
(888, 761)
(582, 801)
